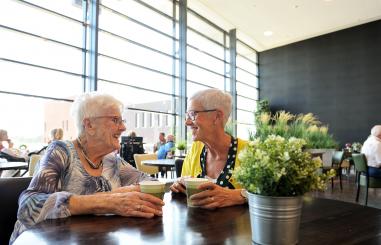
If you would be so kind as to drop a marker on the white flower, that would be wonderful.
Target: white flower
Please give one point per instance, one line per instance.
(286, 156)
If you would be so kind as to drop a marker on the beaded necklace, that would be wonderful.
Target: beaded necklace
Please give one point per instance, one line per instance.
(92, 165)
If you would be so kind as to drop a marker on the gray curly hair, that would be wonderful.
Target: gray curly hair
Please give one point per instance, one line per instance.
(92, 104)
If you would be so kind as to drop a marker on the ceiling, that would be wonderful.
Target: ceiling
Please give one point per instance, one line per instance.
(289, 20)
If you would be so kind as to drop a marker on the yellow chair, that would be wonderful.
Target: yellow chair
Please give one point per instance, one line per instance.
(146, 169)
(33, 160)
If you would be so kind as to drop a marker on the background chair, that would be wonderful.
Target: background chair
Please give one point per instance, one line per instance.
(179, 166)
(363, 178)
(147, 169)
(337, 159)
(10, 190)
(33, 160)
(129, 147)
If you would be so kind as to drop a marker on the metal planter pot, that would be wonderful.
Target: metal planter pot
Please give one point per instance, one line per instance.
(275, 220)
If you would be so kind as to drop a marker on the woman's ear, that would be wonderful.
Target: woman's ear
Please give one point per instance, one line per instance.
(219, 116)
(89, 126)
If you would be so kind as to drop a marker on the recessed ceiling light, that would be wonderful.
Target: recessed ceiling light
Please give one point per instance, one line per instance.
(268, 33)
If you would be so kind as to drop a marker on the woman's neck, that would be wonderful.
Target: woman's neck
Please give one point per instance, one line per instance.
(90, 150)
(218, 146)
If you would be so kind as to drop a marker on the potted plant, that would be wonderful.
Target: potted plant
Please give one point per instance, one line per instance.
(305, 126)
(356, 147)
(181, 146)
(276, 172)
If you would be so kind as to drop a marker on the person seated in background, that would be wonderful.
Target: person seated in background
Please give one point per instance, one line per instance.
(160, 143)
(132, 134)
(213, 153)
(5, 142)
(6, 146)
(10, 154)
(372, 150)
(56, 134)
(86, 175)
(166, 150)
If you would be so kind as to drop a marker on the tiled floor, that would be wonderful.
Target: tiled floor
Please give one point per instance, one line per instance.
(348, 194)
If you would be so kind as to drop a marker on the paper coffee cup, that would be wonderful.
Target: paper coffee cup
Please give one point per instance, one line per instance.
(191, 185)
(154, 188)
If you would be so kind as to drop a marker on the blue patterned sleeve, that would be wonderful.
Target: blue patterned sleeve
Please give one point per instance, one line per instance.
(44, 199)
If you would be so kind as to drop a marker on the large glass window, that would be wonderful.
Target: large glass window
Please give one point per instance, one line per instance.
(41, 63)
(247, 88)
(206, 54)
(44, 63)
(136, 61)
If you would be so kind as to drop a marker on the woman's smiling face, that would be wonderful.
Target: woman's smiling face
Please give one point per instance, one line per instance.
(199, 121)
(109, 128)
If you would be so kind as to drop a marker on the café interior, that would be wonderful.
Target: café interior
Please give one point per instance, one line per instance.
(294, 56)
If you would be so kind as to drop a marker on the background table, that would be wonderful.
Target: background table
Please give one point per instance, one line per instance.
(14, 166)
(323, 222)
(163, 164)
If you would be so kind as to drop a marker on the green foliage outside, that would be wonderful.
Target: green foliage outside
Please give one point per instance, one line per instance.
(277, 166)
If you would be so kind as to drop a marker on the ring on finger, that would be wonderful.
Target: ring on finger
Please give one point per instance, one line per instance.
(212, 199)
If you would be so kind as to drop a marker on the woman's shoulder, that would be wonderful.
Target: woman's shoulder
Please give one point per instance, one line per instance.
(242, 143)
(61, 145)
(197, 146)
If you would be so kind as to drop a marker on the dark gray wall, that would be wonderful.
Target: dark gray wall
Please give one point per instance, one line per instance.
(335, 76)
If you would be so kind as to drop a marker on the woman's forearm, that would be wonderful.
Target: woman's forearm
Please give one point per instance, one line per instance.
(90, 204)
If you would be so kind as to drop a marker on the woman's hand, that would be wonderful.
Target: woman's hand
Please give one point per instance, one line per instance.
(122, 189)
(129, 188)
(178, 186)
(136, 204)
(129, 204)
(215, 196)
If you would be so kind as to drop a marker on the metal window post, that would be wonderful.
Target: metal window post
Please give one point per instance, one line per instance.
(183, 63)
(233, 87)
(92, 83)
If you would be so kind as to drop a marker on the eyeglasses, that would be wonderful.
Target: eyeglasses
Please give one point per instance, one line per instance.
(193, 114)
(116, 120)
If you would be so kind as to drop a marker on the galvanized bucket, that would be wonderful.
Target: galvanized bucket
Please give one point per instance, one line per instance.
(275, 220)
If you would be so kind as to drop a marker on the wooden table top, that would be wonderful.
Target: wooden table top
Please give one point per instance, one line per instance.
(323, 222)
(160, 162)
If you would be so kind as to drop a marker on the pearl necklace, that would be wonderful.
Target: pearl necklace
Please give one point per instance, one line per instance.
(92, 165)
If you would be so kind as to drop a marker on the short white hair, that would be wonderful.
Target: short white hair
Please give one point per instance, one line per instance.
(214, 98)
(92, 104)
(376, 131)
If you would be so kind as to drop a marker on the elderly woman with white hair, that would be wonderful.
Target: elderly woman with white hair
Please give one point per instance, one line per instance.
(372, 151)
(213, 153)
(86, 176)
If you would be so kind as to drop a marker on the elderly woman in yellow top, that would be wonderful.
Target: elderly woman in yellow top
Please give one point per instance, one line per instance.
(214, 153)
(86, 176)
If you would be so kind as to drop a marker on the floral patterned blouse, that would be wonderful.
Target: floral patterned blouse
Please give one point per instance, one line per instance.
(61, 175)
